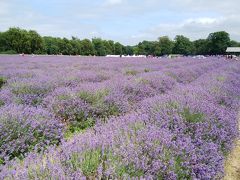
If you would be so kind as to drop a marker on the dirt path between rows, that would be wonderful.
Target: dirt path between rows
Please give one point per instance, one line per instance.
(232, 164)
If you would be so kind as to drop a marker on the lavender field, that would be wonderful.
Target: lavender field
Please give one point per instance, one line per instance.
(117, 118)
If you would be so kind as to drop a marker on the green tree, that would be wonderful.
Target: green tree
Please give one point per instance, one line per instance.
(65, 46)
(118, 48)
(87, 47)
(76, 46)
(166, 45)
(183, 45)
(111, 46)
(128, 50)
(36, 42)
(2, 42)
(50, 45)
(108, 48)
(201, 46)
(218, 42)
(18, 40)
(234, 44)
(99, 47)
(140, 49)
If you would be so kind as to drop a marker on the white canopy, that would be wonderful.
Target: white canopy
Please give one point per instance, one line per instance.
(233, 49)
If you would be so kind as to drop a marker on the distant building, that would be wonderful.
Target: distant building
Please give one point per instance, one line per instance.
(233, 53)
(233, 50)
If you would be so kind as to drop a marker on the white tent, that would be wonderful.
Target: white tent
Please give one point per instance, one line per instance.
(233, 50)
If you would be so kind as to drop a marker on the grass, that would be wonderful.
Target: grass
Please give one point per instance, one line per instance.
(131, 72)
(232, 164)
(192, 117)
(146, 70)
(90, 161)
(221, 78)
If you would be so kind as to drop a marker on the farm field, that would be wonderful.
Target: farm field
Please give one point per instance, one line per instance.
(67, 117)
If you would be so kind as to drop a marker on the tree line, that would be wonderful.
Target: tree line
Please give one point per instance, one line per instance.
(16, 40)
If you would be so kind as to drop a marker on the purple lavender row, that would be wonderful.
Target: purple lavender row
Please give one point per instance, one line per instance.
(181, 135)
(82, 106)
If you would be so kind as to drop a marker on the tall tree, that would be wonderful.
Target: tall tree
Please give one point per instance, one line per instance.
(166, 45)
(99, 47)
(218, 42)
(76, 46)
(36, 42)
(3, 46)
(18, 40)
(183, 45)
(87, 47)
(112, 46)
(201, 46)
(118, 48)
(128, 50)
(50, 45)
(107, 47)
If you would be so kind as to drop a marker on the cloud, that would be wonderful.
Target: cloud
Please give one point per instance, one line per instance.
(126, 21)
(202, 21)
(113, 2)
(194, 28)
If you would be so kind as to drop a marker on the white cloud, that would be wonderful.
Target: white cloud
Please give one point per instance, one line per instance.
(113, 2)
(194, 28)
(203, 21)
(127, 21)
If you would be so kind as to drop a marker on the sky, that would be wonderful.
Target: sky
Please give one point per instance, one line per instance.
(125, 21)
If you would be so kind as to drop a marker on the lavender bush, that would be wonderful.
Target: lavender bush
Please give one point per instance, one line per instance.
(24, 129)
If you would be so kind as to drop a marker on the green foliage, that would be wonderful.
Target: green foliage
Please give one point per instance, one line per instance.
(142, 80)
(51, 45)
(1, 103)
(92, 98)
(3, 80)
(87, 47)
(218, 42)
(146, 70)
(88, 162)
(129, 170)
(166, 45)
(16, 40)
(192, 117)
(8, 52)
(99, 47)
(69, 133)
(36, 42)
(201, 46)
(234, 44)
(181, 171)
(183, 45)
(128, 50)
(118, 48)
(81, 123)
(148, 48)
(221, 78)
(131, 72)
(22, 41)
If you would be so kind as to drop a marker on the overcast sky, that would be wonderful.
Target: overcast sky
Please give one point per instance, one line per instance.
(126, 21)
